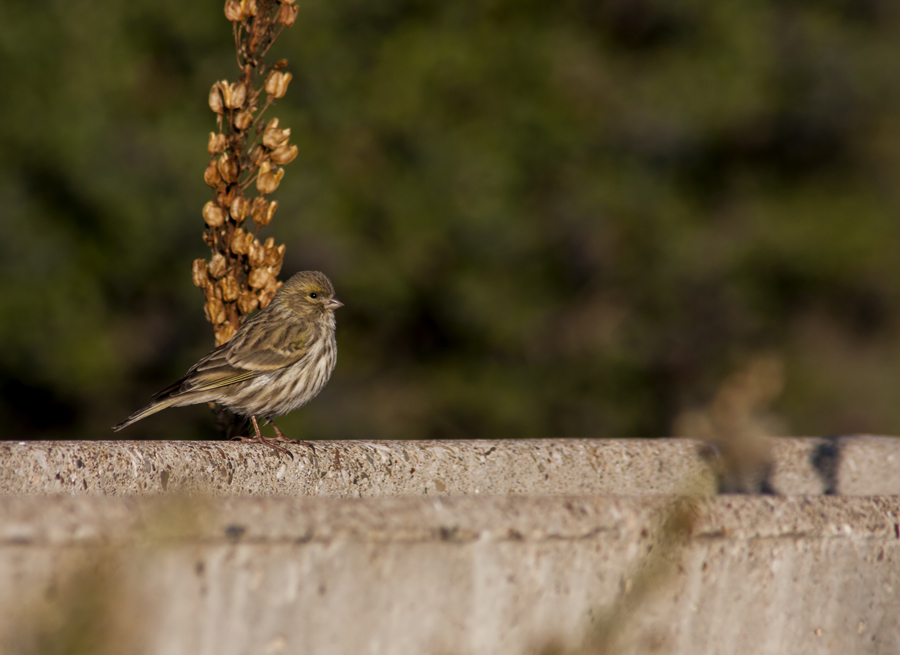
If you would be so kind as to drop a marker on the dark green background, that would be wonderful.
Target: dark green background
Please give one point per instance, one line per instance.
(546, 219)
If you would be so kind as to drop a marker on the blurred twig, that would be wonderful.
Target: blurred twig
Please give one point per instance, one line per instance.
(92, 604)
(738, 427)
(670, 536)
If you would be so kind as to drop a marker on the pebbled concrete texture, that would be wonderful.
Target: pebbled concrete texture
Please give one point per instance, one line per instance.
(846, 465)
(500, 575)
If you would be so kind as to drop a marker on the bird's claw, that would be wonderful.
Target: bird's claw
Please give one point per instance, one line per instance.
(279, 436)
(268, 442)
(284, 439)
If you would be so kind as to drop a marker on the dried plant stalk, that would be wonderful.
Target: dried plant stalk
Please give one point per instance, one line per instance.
(241, 275)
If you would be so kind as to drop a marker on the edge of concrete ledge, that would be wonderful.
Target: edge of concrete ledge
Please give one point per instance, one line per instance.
(859, 465)
(69, 521)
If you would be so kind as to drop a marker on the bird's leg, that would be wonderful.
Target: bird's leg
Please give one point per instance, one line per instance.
(259, 438)
(279, 436)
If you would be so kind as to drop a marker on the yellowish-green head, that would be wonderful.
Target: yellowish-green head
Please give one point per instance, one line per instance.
(308, 293)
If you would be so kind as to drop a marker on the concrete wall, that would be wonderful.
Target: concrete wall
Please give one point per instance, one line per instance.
(546, 558)
(741, 574)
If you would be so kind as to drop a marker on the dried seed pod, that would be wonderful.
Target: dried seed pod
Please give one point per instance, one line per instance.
(274, 256)
(215, 311)
(216, 102)
(224, 195)
(277, 83)
(258, 154)
(259, 277)
(277, 138)
(239, 207)
(249, 8)
(237, 242)
(230, 288)
(268, 182)
(258, 209)
(258, 212)
(242, 120)
(217, 265)
(256, 254)
(235, 94)
(275, 270)
(233, 11)
(248, 302)
(274, 284)
(228, 168)
(264, 216)
(238, 89)
(266, 295)
(199, 274)
(286, 16)
(213, 214)
(256, 37)
(284, 154)
(216, 143)
(274, 136)
(224, 333)
(211, 175)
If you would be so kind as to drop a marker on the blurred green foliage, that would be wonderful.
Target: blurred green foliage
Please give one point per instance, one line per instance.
(567, 219)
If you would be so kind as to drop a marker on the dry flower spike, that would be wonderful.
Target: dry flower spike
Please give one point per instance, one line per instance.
(241, 274)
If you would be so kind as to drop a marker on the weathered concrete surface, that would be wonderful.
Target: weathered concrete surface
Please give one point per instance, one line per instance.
(465, 575)
(848, 466)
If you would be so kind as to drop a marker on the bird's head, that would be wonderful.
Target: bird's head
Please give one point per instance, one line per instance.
(308, 293)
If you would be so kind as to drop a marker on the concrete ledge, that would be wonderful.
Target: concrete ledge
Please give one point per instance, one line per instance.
(847, 466)
(731, 574)
(571, 546)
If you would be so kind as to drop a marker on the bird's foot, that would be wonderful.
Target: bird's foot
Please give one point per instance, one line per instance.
(261, 439)
(268, 442)
(279, 436)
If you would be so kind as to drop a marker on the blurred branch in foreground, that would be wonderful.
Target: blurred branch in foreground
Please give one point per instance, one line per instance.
(738, 428)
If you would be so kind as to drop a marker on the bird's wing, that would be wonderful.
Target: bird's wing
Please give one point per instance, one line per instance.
(250, 353)
(263, 351)
(211, 372)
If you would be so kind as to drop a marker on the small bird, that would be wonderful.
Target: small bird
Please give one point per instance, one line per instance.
(279, 360)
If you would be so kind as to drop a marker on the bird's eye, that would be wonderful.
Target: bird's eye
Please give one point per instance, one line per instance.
(313, 295)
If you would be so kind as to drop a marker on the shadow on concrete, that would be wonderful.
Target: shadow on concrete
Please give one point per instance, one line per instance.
(826, 459)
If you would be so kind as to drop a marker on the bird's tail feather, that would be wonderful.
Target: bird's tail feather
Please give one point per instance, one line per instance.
(152, 408)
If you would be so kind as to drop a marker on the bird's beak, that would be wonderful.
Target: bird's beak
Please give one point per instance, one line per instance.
(333, 304)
